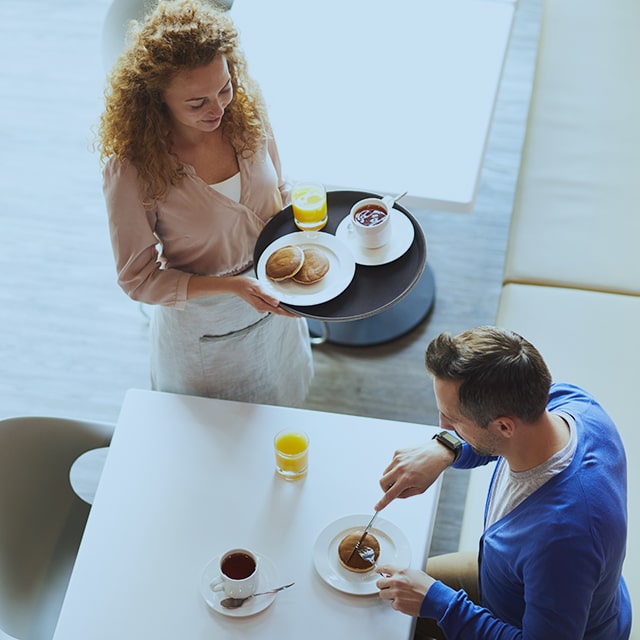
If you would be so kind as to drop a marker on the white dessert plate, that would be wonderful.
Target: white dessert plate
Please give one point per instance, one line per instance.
(267, 579)
(342, 268)
(394, 549)
(402, 233)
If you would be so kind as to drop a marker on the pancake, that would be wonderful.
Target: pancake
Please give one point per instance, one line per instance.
(357, 564)
(284, 262)
(314, 268)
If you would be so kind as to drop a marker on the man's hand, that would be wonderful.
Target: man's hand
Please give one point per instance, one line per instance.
(412, 471)
(404, 588)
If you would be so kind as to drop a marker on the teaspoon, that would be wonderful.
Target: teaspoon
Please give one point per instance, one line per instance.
(234, 603)
(391, 200)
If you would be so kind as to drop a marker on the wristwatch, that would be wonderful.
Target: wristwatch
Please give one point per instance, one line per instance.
(452, 443)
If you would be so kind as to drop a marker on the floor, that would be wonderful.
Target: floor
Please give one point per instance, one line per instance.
(73, 343)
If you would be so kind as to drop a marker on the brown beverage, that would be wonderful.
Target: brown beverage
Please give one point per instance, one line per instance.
(238, 566)
(370, 215)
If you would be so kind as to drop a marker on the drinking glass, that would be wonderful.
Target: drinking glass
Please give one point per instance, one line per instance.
(309, 204)
(292, 453)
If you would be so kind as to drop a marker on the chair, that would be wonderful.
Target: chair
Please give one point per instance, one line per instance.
(41, 519)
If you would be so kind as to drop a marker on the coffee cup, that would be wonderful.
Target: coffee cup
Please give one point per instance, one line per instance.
(238, 573)
(370, 221)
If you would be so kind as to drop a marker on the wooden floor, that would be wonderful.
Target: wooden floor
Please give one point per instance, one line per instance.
(73, 343)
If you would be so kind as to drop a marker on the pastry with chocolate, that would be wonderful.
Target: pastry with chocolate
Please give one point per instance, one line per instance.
(356, 563)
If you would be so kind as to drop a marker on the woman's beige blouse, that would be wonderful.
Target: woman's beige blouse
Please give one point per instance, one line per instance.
(200, 230)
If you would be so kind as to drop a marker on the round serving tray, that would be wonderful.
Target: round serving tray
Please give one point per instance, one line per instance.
(373, 288)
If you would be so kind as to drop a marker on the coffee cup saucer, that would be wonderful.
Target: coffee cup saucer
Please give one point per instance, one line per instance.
(402, 234)
(267, 578)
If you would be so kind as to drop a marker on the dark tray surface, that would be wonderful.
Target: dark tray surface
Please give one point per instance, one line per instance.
(373, 289)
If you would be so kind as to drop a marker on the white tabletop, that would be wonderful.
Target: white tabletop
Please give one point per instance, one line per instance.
(187, 478)
(404, 92)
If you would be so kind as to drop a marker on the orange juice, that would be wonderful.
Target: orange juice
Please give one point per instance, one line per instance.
(292, 453)
(309, 203)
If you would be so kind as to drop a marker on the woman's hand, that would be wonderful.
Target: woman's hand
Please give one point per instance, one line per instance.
(245, 287)
(412, 471)
(250, 291)
(404, 588)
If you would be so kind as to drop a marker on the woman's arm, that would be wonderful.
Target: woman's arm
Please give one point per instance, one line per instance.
(134, 242)
(135, 249)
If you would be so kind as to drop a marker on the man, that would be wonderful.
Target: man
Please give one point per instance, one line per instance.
(550, 557)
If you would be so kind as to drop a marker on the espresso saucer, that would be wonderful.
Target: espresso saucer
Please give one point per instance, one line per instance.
(267, 578)
(402, 233)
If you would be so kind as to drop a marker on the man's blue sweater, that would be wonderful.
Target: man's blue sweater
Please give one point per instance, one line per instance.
(551, 568)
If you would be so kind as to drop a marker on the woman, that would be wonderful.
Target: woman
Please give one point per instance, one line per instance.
(192, 177)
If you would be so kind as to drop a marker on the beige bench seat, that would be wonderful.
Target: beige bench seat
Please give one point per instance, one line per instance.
(576, 218)
(571, 282)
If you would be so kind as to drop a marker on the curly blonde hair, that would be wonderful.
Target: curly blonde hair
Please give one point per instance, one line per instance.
(179, 35)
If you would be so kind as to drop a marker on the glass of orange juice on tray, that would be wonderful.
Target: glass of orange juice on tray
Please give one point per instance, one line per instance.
(309, 204)
(292, 453)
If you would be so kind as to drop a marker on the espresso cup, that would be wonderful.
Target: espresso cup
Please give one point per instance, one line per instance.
(370, 221)
(238, 573)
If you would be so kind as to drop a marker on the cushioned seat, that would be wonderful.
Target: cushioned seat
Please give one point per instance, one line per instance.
(576, 219)
(41, 518)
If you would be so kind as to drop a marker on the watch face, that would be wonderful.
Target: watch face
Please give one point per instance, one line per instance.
(451, 442)
(450, 439)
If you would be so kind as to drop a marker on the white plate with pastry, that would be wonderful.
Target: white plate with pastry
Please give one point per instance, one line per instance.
(402, 234)
(394, 550)
(321, 272)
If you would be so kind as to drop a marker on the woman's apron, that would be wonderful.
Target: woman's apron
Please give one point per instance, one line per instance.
(221, 347)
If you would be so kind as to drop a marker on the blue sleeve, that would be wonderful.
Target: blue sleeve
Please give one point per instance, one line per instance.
(544, 590)
(550, 577)
(460, 618)
(469, 459)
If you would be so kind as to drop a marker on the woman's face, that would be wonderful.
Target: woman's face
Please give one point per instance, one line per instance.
(197, 98)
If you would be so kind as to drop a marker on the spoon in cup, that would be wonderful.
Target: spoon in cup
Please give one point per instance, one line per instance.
(234, 603)
(391, 200)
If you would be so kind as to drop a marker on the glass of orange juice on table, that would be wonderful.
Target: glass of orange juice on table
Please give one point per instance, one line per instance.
(292, 453)
(309, 204)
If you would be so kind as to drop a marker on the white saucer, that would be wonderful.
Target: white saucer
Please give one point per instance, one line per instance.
(342, 268)
(267, 579)
(394, 549)
(402, 233)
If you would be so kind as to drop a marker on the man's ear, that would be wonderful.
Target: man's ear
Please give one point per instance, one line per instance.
(503, 425)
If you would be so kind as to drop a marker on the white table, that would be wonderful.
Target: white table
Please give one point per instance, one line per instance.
(187, 478)
(404, 92)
